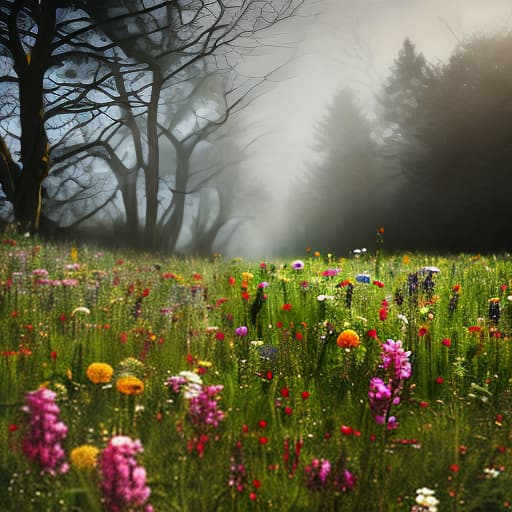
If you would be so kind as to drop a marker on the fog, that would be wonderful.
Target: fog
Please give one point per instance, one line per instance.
(339, 43)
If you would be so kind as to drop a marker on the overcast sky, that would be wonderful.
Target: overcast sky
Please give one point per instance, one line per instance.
(350, 42)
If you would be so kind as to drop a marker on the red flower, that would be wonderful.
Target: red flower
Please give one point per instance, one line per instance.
(263, 440)
(454, 468)
(474, 328)
(256, 483)
(422, 331)
(13, 427)
(423, 404)
(220, 336)
(439, 380)
(346, 430)
(380, 284)
(53, 355)
(287, 307)
(372, 333)
(285, 392)
(288, 411)
(198, 277)
(246, 296)
(383, 313)
(299, 336)
(262, 424)
(447, 342)
(305, 395)
(253, 496)
(231, 280)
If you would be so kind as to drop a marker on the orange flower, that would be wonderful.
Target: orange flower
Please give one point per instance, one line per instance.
(130, 385)
(99, 373)
(348, 339)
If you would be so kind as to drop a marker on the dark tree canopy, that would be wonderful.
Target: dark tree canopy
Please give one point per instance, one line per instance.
(450, 127)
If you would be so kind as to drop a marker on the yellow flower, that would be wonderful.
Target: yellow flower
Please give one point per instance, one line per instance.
(317, 254)
(247, 276)
(348, 339)
(99, 373)
(129, 385)
(74, 254)
(84, 457)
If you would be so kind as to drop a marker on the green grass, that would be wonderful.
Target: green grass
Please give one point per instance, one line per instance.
(181, 314)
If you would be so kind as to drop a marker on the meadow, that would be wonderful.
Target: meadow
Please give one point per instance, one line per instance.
(139, 382)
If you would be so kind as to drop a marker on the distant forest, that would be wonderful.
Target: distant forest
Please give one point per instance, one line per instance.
(434, 167)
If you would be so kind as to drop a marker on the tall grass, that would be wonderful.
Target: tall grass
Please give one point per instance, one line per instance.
(290, 394)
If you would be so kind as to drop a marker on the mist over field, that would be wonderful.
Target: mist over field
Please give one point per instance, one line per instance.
(352, 44)
(258, 129)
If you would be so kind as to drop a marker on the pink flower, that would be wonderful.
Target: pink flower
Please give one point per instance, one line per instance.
(123, 481)
(45, 432)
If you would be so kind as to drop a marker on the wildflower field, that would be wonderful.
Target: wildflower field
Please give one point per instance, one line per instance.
(136, 382)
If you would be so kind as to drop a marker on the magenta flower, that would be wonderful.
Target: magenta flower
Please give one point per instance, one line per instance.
(396, 359)
(204, 409)
(237, 472)
(241, 331)
(123, 483)
(317, 473)
(45, 432)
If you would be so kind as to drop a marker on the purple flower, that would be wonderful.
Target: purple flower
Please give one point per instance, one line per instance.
(123, 481)
(297, 265)
(45, 432)
(241, 331)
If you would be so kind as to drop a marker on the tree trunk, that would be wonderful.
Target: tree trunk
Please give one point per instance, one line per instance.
(152, 170)
(30, 68)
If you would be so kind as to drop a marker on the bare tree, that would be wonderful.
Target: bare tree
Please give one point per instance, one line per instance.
(97, 76)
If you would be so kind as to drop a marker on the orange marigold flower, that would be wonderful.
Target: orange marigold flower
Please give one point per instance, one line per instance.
(348, 339)
(130, 385)
(99, 373)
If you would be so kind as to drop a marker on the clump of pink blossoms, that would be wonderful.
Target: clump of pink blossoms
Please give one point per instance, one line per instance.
(204, 409)
(386, 392)
(42, 440)
(123, 483)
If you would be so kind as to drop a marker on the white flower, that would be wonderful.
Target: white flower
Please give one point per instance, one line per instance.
(194, 384)
(492, 472)
(81, 309)
(403, 319)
